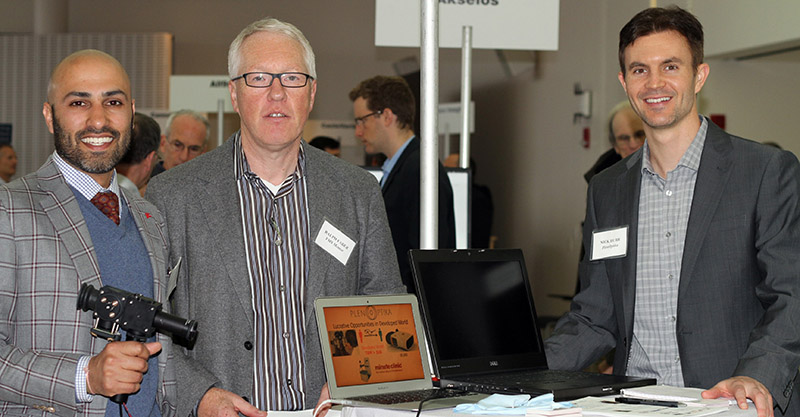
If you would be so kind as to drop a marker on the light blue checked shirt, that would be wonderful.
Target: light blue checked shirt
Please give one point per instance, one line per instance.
(664, 206)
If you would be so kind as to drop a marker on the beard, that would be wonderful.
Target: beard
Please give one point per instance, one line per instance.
(68, 147)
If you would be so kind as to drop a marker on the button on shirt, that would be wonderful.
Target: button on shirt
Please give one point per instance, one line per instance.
(664, 206)
(276, 239)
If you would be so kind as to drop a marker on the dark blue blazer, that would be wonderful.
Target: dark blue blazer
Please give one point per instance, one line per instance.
(401, 195)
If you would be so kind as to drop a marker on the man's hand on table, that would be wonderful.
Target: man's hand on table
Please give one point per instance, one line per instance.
(741, 388)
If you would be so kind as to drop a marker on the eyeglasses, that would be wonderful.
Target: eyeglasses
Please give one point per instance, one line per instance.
(360, 120)
(265, 79)
(179, 146)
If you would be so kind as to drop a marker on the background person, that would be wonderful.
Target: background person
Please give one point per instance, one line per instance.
(133, 170)
(184, 138)
(327, 144)
(8, 163)
(384, 114)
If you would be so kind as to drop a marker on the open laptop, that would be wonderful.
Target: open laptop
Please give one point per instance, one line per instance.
(482, 327)
(375, 355)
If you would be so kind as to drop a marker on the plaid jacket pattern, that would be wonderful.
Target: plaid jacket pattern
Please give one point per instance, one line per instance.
(46, 254)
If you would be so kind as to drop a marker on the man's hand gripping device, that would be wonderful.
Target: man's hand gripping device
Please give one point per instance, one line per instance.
(139, 316)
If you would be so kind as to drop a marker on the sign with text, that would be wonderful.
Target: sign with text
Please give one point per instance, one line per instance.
(372, 344)
(496, 24)
(200, 93)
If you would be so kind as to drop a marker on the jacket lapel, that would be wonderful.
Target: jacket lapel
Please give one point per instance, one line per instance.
(62, 208)
(628, 188)
(400, 161)
(220, 208)
(712, 176)
(153, 240)
(319, 185)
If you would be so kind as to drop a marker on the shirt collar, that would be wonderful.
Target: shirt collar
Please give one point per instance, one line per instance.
(690, 158)
(81, 181)
(241, 168)
(391, 162)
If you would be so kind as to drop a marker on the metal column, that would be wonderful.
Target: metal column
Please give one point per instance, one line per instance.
(429, 138)
(466, 94)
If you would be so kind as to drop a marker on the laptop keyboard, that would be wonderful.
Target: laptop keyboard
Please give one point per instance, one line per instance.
(409, 396)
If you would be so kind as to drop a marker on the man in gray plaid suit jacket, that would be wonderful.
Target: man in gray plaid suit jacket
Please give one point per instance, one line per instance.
(53, 239)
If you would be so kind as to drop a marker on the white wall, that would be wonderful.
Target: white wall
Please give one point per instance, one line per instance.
(526, 146)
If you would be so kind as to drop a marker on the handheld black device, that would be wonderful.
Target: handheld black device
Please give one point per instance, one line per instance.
(140, 317)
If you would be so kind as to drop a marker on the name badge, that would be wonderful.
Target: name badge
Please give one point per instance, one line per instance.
(335, 242)
(609, 243)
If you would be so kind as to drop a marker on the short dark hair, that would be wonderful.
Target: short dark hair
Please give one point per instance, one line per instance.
(324, 142)
(658, 19)
(145, 137)
(4, 145)
(382, 92)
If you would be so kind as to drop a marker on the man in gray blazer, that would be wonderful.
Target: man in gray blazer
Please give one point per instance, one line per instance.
(53, 239)
(692, 269)
(265, 224)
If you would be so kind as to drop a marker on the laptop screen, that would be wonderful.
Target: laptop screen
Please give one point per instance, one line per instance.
(373, 344)
(478, 309)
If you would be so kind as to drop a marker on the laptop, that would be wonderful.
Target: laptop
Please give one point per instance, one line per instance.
(375, 354)
(482, 328)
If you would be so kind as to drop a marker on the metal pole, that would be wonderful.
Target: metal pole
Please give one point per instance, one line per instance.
(220, 121)
(466, 93)
(429, 167)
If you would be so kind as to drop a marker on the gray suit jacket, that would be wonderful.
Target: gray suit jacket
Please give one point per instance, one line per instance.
(739, 291)
(201, 203)
(46, 254)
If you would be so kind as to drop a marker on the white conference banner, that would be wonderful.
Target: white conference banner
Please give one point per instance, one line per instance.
(200, 93)
(496, 24)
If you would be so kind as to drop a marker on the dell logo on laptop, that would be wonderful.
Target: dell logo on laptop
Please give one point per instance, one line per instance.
(494, 363)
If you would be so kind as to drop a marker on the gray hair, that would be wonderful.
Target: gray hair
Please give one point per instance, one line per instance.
(622, 105)
(272, 25)
(194, 115)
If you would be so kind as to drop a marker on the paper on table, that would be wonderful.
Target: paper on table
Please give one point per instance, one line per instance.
(593, 406)
(561, 412)
(663, 393)
(690, 396)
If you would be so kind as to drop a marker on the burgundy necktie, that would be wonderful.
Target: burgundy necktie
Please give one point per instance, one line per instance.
(108, 203)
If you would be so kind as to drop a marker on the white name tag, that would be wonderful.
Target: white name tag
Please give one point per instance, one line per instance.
(335, 242)
(610, 243)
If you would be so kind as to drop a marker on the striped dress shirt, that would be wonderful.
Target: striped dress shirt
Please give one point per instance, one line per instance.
(277, 236)
(664, 207)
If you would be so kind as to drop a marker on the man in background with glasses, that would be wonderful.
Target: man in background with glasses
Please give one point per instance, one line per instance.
(184, 138)
(264, 225)
(384, 108)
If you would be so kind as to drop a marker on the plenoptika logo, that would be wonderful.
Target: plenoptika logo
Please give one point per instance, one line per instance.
(471, 2)
(371, 312)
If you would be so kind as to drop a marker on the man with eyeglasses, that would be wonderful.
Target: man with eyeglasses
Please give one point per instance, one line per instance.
(184, 138)
(264, 225)
(626, 134)
(384, 108)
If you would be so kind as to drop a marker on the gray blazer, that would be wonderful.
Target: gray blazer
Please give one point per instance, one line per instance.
(46, 254)
(739, 291)
(201, 203)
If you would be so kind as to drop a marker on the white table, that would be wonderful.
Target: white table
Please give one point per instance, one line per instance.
(733, 411)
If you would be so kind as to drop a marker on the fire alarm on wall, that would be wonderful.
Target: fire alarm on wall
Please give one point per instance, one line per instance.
(718, 119)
